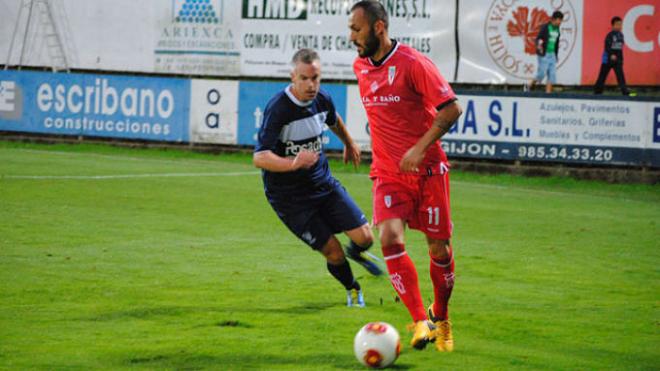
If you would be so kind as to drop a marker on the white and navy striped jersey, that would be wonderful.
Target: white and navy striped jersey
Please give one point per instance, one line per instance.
(290, 126)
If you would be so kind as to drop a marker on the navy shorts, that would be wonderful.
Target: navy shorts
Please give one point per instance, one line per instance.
(315, 221)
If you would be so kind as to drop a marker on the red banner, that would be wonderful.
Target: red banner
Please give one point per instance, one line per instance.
(641, 31)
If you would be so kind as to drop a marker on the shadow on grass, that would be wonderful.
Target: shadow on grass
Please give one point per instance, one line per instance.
(304, 308)
(255, 360)
(158, 311)
(148, 312)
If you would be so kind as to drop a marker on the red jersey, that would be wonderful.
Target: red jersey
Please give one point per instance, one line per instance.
(400, 96)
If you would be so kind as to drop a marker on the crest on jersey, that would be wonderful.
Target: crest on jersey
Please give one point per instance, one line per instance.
(388, 201)
(391, 72)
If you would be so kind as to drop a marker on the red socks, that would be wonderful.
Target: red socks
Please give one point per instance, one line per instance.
(403, 276)
(442, 275)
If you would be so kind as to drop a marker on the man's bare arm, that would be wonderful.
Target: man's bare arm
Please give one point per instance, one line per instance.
(442, 122)
(268, 160)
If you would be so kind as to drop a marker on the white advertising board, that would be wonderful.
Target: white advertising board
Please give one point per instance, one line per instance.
(271, 32)
(257, 38)
(198, 37)
(195, 37)
(497, 39)
(214, 111)
(356, 118)
(519, 127)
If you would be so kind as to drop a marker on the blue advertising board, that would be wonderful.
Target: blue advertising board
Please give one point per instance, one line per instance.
(253, 97)
(112, 106)
(558, 129)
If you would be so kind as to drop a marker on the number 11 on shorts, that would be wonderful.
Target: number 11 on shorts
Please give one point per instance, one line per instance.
(434, 211)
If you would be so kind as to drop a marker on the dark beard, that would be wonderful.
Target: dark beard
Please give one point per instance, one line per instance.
(372, 45)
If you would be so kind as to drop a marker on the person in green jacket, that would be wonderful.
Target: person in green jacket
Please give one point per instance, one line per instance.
(547, 50)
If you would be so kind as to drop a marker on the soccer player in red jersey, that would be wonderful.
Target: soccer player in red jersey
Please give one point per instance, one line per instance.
(410, 106)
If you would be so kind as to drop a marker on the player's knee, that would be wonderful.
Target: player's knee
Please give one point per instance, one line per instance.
(390, 237)
(391, 232)
(333, 252)
(368, 241)
(361, 236)
(439, 249)
(366, 237)
(335, 257)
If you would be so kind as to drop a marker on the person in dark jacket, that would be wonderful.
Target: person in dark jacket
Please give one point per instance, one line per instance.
(612, 58)
(547, 50)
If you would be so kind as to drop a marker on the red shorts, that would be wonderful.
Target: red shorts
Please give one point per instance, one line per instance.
(420, 200)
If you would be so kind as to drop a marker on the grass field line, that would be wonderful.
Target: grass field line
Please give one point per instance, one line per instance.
(129, 176)
(180, 161)
(247, 173)
(121, 157)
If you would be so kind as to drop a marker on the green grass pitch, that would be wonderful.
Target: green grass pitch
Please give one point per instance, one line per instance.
(151, 259)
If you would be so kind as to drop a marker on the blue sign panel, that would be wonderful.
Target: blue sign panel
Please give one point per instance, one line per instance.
(95, 105)
(543, 152)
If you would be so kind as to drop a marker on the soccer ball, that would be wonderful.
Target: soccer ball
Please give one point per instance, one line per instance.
(377, 345)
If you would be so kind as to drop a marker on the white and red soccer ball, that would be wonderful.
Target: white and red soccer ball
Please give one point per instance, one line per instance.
(377, 345)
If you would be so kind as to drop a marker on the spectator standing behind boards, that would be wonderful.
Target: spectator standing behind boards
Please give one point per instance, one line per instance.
(612, 58)
(547, 48)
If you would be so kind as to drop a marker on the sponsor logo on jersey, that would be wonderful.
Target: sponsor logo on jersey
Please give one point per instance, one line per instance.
(388, 98)
(292, 149)
(380, 100)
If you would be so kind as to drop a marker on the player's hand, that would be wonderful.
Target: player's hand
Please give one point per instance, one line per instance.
(352, 154)
(613, 57)
(411, 160)
(304, 160)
